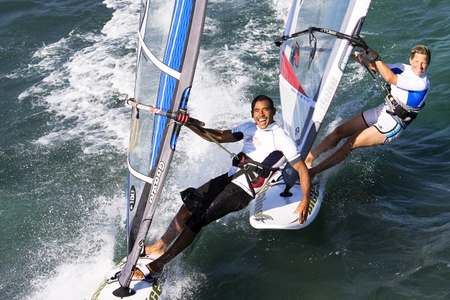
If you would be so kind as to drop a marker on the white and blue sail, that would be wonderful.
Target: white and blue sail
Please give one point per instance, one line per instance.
(167, 56)
(168, 46)
(318, 39)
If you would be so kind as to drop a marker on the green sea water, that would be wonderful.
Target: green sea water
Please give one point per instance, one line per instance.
(66, 67)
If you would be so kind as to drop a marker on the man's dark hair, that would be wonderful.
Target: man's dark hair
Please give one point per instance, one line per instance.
(262, 98)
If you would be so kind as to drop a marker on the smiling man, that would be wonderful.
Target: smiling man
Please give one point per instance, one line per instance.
(409, 86)
(265, 147)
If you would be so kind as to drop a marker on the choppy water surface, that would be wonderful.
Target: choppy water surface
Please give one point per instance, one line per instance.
(65, 68)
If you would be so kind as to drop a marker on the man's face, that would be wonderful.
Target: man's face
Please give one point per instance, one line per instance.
(263, 113)
(419, 64)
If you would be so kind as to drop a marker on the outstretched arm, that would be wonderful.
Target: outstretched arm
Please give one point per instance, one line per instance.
(305, 182)
(213, 135)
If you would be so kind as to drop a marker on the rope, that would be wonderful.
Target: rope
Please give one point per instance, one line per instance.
(180, 117)
(213, 139)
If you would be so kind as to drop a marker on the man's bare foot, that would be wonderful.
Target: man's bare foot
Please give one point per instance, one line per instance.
(155, 250)
(142, 272)
(137, 274)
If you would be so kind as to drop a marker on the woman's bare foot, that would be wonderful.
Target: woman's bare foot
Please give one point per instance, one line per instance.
(309, 160)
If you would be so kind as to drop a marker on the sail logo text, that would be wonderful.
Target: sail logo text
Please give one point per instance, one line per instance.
(156, 179)
(132, 200)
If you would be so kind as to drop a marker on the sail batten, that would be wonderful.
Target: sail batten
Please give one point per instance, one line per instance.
(175, 74)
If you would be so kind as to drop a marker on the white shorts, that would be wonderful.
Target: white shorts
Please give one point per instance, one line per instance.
(384, 122)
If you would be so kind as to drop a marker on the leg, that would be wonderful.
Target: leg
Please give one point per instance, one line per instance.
(184, 239)
(349, 128)
(366, 138)
(182, 242)
(195, 200)
(232, 198)
(174, 229)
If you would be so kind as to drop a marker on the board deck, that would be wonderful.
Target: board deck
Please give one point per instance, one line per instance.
(270, 210)
(143, 290)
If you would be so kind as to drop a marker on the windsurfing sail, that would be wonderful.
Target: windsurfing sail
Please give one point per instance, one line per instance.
(312, 63)
(168, 45)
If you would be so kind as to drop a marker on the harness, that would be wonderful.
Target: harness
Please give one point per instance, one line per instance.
(402, 114)
(255, 173)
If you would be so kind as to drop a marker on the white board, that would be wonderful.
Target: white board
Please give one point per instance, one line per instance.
(270, 210)
(143, 290)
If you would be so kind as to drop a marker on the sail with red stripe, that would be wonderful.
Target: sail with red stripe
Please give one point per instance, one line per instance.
(312, 64)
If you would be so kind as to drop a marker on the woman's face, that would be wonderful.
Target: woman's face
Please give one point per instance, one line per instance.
(419, 64)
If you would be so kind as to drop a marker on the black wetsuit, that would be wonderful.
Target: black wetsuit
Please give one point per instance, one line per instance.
(213, 200)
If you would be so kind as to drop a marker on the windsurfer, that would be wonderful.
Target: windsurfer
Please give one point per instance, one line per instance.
(409, 87)
(264, 140)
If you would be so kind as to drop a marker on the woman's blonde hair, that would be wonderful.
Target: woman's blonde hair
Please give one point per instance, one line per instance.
(421, 49)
